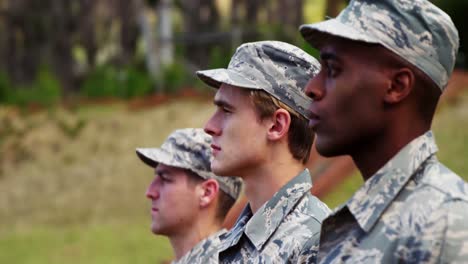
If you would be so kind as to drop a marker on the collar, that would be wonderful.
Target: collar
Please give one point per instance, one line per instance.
(267, 219)
(378, 192)
(233, 236)
(204, 246)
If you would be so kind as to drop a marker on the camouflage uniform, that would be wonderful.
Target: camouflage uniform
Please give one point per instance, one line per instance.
(283, 230)
(190, 149)
(414, 209)
(205, 252)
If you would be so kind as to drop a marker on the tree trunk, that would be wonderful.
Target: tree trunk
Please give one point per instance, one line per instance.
(87, 31)
(148, 33)
(165, 40)
(333, 8)
(128, 30)
(200, 17)
(62, 29)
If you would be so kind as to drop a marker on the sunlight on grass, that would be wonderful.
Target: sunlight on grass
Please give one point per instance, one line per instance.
(98, 244)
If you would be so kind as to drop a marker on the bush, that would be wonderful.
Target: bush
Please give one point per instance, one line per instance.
(219, 57)
(4, 87)
(174, 77)
(44, 91)
(110, 81)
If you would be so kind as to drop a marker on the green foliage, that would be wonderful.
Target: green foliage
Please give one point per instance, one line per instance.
(174, 77)
(110, 81)
(138, 82)
(219, 58)
(4, 87)
(44, 91)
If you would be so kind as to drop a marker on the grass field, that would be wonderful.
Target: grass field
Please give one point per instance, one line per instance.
(78, 197)
(95, 244)
(72, 193)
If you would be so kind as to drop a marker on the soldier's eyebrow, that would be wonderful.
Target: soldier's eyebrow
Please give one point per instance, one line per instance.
(327, 55)
(162, 173)
(222, 103)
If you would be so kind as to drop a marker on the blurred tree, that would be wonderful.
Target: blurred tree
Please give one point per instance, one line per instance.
(128, 16)
(457, 10)
(46, 32)
(165, 38)
(333, 7)
(21, 57)
(289, 13)
(61, 30)
(148, 33)
(87, 30)
(200, 20)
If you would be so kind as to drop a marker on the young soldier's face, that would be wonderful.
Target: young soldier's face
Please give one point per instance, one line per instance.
(239, 137)
(174, 203)
(348, 107)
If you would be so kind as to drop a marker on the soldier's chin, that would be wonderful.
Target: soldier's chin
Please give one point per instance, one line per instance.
(327, 149)
(218, 169)
(155, 229)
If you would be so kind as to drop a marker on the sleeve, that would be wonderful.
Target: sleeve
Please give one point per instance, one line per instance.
(455, 241)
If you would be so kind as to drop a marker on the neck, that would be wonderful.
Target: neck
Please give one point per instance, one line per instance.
(262, 183)
(376, 152)
(182, 243)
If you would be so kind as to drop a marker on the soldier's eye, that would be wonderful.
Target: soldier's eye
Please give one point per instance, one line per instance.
(164, 177)
(331, 69)
(225, 109)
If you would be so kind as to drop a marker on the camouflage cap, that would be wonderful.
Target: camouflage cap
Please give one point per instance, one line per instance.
(278, 68)
(416, 30)
(190, 149)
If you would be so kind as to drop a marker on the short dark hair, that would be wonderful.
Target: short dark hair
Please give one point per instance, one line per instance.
(300, 135)
(225, 201)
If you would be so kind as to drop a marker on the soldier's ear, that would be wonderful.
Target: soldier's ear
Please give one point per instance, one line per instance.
(279, 127)
(402, 81)
(208, 192)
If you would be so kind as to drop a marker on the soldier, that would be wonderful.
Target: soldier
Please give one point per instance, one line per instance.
(384, 66)
(188, 202)
(260, 133)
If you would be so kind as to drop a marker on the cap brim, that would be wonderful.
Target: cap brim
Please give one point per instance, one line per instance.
(316, 34)
(153, 156)
(216, 77)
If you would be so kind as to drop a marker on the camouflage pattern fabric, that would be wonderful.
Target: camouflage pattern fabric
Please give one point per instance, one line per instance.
(205, 252)
(416, 30)
(413, 210)
(284, 230)
(190, 149)
(279, 68)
